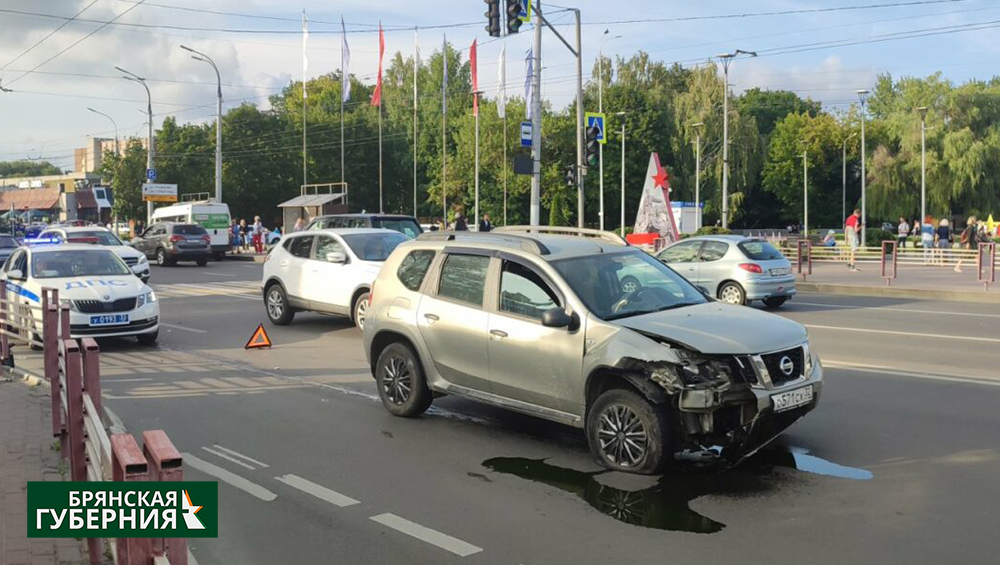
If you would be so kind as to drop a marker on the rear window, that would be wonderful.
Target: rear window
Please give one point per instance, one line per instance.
(373, 246)
(413, 268)
(189, 229)
(760, 251)
(406, 226)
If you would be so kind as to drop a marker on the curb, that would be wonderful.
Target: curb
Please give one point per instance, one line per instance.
(246, 258)
(981, 297)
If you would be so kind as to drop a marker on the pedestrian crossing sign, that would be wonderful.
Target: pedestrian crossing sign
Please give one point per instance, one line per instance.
(596, 120)
(259, 339)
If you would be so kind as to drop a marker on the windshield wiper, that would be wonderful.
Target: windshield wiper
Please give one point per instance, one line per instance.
(644, 312)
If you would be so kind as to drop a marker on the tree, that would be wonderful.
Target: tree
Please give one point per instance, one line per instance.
(125, 174)
(25, 168)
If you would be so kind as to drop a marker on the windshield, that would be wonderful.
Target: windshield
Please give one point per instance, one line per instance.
(76, 263)
(626, 284)
(97, 236)
(373, 246)
(405, 226)
(760, 251)
(8, 242)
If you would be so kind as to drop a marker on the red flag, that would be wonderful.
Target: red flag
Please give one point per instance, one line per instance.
(377, 95)
(475, 79)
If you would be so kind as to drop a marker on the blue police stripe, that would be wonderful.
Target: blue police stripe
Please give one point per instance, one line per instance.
(20, 290)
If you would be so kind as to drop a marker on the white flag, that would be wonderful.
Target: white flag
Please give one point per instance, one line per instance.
(502, 83)
(529, 64)
(305, 59)
(345, 63)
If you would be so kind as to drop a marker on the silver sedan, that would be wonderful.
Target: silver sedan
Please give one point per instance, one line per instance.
(735, 269)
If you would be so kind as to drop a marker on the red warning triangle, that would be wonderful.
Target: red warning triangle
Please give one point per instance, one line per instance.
(258, 339)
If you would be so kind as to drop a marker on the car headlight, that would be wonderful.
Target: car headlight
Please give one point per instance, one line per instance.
(809, 359)
(67, 303)
(143, 299)
(142, 259)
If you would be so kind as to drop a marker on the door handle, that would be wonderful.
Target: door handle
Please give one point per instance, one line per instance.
(431, 317)
(498, 333)
(284, 263)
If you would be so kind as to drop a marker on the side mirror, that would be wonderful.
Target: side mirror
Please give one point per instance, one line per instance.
(336, 257)
(556, 318)
(15, 275)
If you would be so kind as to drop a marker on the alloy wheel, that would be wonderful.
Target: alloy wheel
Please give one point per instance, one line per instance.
(360, 311)
(732, 295)
(275, 304)
(397, 380)
(622, 436)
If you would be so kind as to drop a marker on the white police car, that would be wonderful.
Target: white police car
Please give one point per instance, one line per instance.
(135, 259)
(105, 298)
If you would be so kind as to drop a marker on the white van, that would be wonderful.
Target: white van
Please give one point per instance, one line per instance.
(211, 215)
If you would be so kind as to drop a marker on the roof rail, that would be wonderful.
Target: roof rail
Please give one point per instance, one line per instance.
(607, 236)
(524, 242)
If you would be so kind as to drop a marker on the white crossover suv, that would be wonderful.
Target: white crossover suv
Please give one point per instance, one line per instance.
(329, 271)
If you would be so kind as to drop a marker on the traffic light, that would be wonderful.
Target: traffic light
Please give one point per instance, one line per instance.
(593, 145)
(514, 8)
(492, 17)
(570, 175)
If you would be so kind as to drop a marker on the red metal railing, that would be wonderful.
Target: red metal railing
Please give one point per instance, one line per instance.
(987, 264)
(804, 261)
(889, 262)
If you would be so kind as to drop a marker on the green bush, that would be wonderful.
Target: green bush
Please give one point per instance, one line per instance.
(875, 237)
(712, 230)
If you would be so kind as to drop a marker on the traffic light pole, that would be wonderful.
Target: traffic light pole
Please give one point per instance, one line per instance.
(536, 119)
(579, 125)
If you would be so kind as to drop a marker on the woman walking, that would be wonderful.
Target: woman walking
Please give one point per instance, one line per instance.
(927, 239)
(258, 235)
(969, 239)
(944, 239)
(902, 232)
(244, 235)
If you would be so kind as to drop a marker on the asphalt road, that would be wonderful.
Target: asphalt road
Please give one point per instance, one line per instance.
(899, 464)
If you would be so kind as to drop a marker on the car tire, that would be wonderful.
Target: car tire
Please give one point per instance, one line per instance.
(276, 305)
(161, 258)
(148, 339)
(360, 310)
(632, 283)
(621, 411)
(33, 340)
(201, 262)
(400, 381)
(775, 301)
(733, 293)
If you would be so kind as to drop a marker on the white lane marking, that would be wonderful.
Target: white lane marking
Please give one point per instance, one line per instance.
(233, 479)
(184, 328)
(260, 464)
(114, 380)
(423, 533)
(907, 334)
(217, 274)
(903, 373)
(902, 310)
(228, 458)
(319, 491)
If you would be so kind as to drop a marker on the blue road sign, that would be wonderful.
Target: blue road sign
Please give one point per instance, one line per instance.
(525, 134)
(525, 13)
(595, 119)
(150, 174)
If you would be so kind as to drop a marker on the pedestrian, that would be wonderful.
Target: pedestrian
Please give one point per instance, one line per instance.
(234, 236)
(944, 238)
(927, 239)
(460, 224)
(969, 239)
(485, 225)
(830, 240)
(258, 235)
(244, 235)
(300, 225)
(903, 231)
(852, 236)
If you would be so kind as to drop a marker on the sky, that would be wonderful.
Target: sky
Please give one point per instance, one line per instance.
(824, 50)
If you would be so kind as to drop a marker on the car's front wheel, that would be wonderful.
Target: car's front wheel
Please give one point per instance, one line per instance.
(161, 258)
(733, 293)
(628, 433)
(400, 380)
(276, 304)
(360, 311)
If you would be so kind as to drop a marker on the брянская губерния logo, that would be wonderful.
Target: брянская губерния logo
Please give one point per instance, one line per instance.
(123, 510)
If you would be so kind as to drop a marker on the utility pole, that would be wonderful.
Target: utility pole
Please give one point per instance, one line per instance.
(198, 56)
(150, 151)
(622, 116)
(923, 162)
(581, 170)
(536, 119)
(863, 96)
(697, 173)
(843, 204)
(726, 59)
(600, 108)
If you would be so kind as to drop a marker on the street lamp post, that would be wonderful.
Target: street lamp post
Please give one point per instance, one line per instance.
(805, 189)
(863, 97)
(622, 116)
(697, 173)
(198, 56)
(115, 125)
(150, 142)
(726, 59)
(843, 205)
(600, 108)
(923, 162)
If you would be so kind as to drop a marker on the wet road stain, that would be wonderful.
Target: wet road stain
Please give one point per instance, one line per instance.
(666, 505)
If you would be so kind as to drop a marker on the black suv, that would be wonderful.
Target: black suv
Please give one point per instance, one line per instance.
(170, 242)
(406, 225)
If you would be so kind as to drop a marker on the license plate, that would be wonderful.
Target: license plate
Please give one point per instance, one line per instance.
(792, 398)
(109, 320)
(779, 271)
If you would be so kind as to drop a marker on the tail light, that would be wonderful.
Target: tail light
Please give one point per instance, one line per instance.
(206, 239)
(751, 268)
(176, 238)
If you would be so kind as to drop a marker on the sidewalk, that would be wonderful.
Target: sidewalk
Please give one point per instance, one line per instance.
(27, 454)
(912, 281)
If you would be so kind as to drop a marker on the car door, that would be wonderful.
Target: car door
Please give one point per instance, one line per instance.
(683, 258)
(712, 268)
(149, 238)
(528, 361)
(453, 322)
(292, 267)
(328, 285)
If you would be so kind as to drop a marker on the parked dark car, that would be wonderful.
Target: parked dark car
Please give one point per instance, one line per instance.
(406, 225)
(170, 242)
(8, 244)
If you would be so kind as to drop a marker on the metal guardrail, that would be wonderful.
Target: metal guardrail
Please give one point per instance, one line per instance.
(986, 264)
(905, 255)
(889, 262)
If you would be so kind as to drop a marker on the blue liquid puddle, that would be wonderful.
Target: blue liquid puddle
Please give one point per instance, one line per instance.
(818, 466)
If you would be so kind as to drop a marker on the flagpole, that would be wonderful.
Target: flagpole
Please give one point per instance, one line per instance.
(473, 67)
(476, 94)
(380, 208)
(504, 170)
(444, 143)
(345, 85)
(305, 63)
(416, 55)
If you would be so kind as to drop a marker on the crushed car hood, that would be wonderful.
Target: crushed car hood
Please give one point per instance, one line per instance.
(716, 328)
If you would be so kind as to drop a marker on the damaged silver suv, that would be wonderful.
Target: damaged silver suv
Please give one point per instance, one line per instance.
(537, 320)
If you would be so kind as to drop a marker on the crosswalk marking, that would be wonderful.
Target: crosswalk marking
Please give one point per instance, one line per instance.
(236, 289)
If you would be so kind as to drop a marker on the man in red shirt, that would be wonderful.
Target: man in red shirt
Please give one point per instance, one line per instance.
(852, 237)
